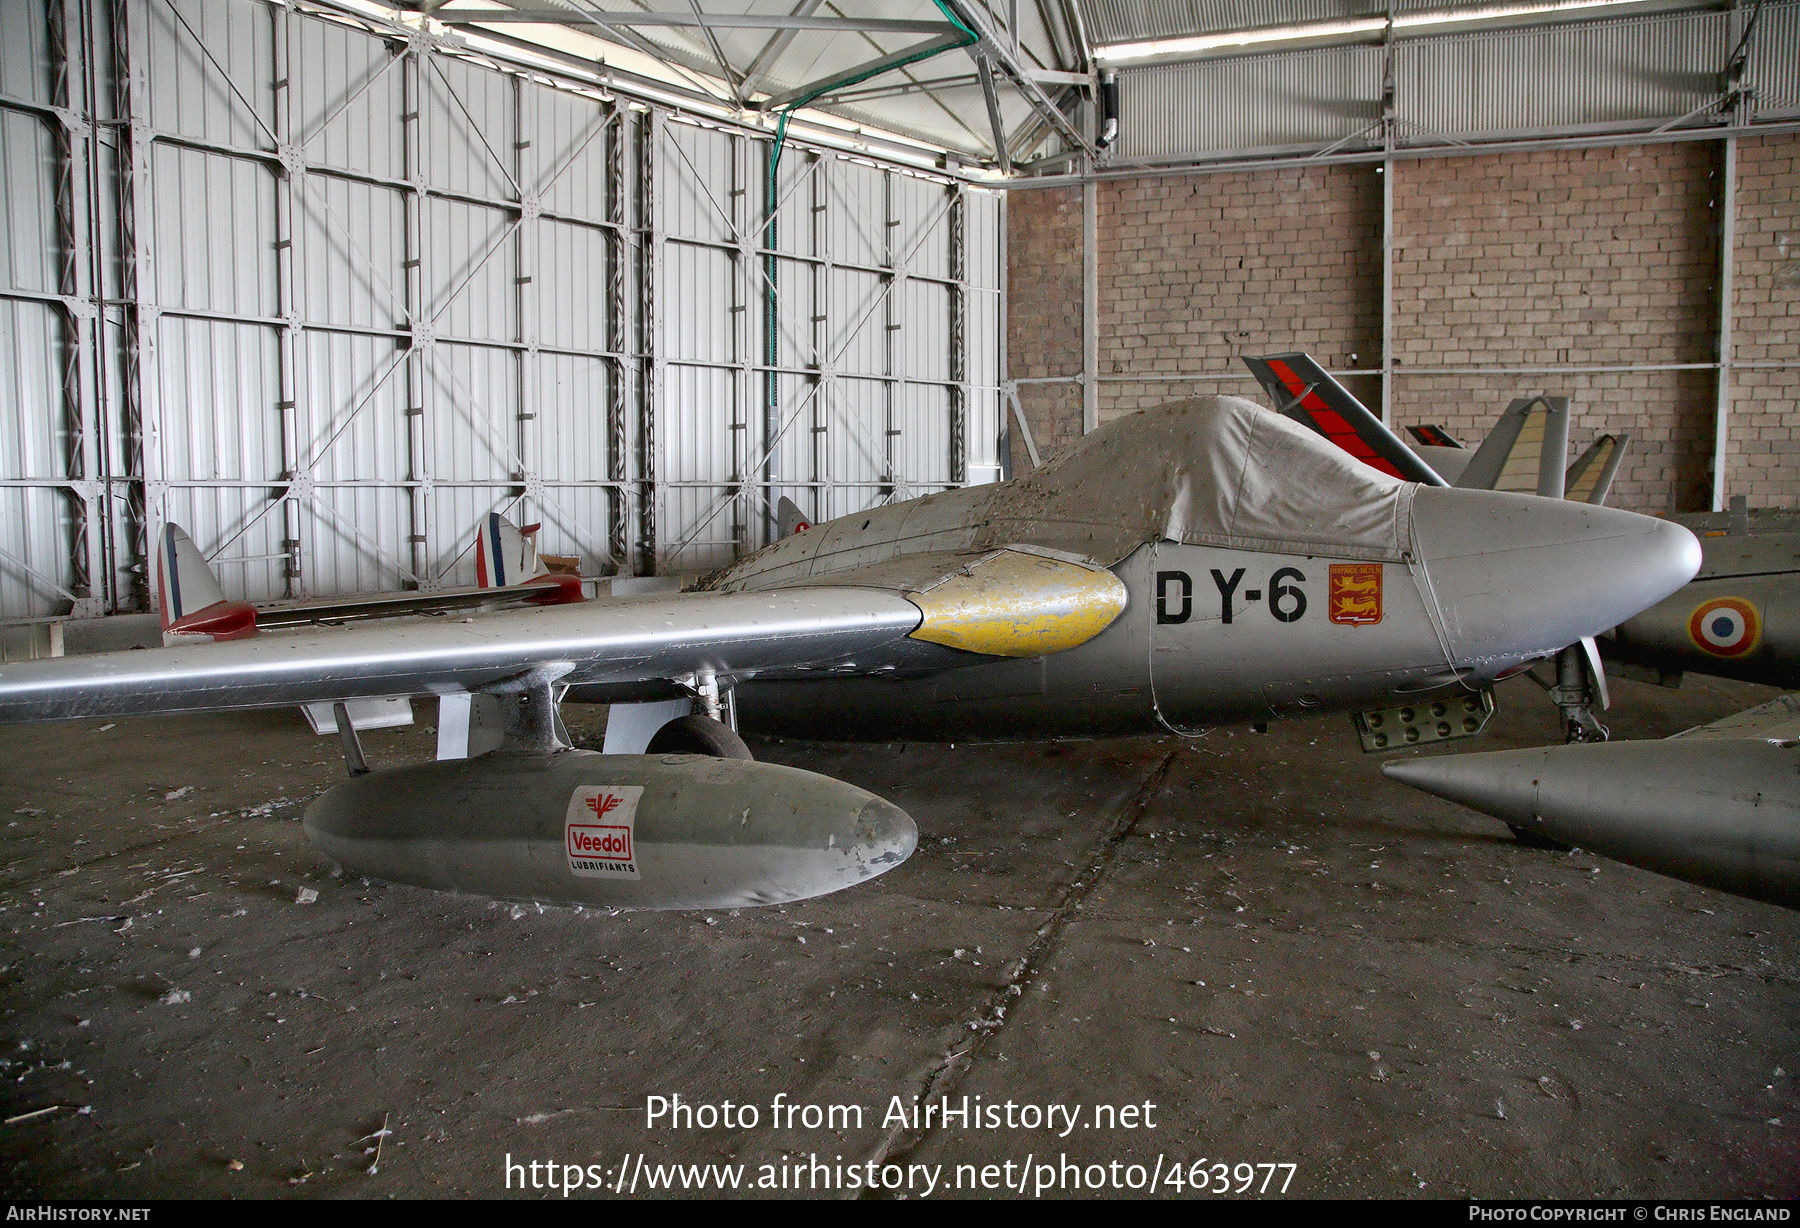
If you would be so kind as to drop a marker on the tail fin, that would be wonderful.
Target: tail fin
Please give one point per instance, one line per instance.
(789, 519)
(1590, 478)
(1302, 390)
(189, 598)
(1431, 436)
(1525, 452)
(506, 554)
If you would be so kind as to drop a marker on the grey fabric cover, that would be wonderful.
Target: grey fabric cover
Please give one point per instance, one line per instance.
(1217, 471)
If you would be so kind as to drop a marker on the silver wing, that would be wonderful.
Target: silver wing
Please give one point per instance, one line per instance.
(630, 641)
(927, 612)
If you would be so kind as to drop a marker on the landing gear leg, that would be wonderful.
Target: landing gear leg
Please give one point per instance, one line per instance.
(1577, 693)
(711, 731)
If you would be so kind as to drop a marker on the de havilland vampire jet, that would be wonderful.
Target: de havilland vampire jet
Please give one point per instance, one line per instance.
(1202, 560)
(1738, 618)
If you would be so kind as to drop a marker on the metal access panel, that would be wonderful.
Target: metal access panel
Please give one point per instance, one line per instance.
(325, 291)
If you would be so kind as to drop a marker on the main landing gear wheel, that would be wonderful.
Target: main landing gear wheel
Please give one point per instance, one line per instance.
(698, 735)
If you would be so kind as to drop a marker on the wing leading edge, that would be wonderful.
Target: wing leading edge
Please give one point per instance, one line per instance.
(620, 642)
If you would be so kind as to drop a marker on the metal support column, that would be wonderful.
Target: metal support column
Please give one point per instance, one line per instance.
(138, 316)
(412, 203)
(650, 250)
(743, 351)
(959, 336)
(288, 185)
(893, 389)
(1090, 307)
(72, 133)
(825, 389)
(770, 348)
(1004, 370)
(1387, 292)
(526, 167)
(617, 340)
(1727, 266)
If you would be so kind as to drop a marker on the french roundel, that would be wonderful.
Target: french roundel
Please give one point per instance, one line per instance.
(1725, 627)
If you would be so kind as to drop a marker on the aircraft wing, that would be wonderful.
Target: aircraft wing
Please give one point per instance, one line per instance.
(1776, 721)
(1301, 389)
(939, 611)
(626, 641)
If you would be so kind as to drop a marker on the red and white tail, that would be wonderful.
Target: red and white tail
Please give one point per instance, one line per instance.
(506, 556)
(189, 598)
(789, 519)
(1303, 391)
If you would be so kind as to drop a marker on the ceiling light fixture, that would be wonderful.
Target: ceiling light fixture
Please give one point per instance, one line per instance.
(1198, 44)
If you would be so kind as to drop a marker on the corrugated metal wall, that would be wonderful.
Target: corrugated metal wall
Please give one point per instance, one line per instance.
(1572, 77)
(360, 291)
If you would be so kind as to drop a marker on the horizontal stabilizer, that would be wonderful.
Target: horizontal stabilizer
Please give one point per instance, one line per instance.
(1302, 390)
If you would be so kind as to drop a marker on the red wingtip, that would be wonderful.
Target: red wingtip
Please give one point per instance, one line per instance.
(558, 590)
(222, 620)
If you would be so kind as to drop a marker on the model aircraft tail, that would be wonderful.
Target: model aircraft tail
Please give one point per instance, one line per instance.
(1301, 389)
(1429, 436)
(1590, 478)
(1526, 452)
(189, 599)
(789, 519)
(506, 556)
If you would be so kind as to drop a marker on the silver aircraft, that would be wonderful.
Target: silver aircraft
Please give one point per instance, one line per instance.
(1199, 561)
(1739, 618)
(1717, 805)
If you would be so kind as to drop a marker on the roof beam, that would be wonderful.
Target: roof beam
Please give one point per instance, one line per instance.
(901, 88)
(717, 21)
(712, 41)
(1020, 74)
(869, 68)
(776, 47)
(986, 73)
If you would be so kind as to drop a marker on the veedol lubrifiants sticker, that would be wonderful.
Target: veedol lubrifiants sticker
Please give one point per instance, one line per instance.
(598, 831)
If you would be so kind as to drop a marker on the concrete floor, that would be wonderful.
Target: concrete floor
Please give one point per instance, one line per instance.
(1296, 961)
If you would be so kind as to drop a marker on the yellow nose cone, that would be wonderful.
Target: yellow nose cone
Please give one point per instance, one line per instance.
(1014, 604)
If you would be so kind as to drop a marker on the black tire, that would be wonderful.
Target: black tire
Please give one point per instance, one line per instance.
(698, 735)
(1532, 840)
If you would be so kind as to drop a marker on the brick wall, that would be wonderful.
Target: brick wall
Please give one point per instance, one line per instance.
(1195, 271)
(1582, 258)
(1764, 458)
(1043, 325)
(1603, 257)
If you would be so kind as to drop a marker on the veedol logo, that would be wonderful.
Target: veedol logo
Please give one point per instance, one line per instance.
(596, 840)
(602, 850)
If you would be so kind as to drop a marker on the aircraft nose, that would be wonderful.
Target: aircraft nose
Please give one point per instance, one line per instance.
(1519, 575)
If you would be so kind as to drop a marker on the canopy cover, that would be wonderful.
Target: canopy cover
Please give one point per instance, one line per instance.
(1215, 471)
